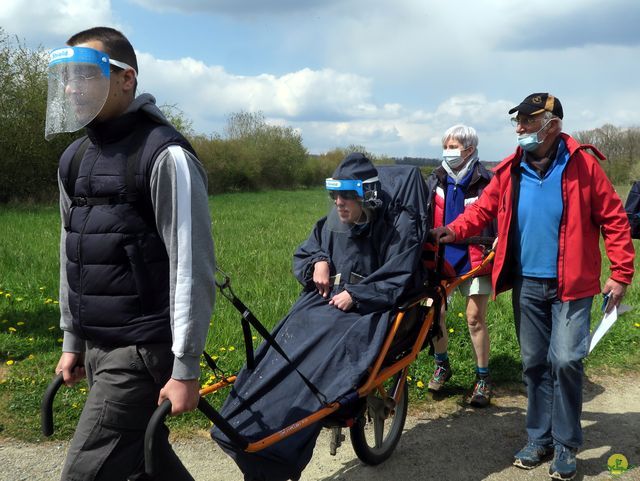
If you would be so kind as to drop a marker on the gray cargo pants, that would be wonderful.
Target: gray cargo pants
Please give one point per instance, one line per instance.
(124, 384)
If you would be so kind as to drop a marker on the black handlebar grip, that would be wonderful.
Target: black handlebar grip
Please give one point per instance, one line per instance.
(46, 407)
(157, 420)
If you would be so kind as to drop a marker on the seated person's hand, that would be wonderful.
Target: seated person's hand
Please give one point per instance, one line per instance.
(342, 301)
(321, 278)
(442, 234)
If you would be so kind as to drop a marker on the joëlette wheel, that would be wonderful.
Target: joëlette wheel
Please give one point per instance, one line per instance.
(376, 433)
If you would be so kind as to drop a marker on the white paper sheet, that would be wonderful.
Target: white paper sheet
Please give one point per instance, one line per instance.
(605, 324)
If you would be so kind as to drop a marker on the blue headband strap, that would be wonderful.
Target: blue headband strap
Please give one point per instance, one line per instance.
(80, 55)
(346, 184)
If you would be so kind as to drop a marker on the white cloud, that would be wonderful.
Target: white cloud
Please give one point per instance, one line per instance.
(392, 77)
(200, 88)
(234, 7)
(51, 23)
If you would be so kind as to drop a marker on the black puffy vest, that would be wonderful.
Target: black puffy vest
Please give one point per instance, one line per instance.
(117, 264)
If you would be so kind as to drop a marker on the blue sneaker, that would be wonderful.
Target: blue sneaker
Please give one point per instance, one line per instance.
(563, 466)
(532, 455)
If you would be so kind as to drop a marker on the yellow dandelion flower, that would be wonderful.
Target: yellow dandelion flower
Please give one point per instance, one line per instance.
(451, 329)
(74, 406)
(56, 302)
(59, 339)
(460, 315)
(31, 357)
(20, 323)
(19, 299)
(83, 390)
(7, 295)
(48, 300)
(222, 349)
(12, 329)
(254, 337)
(408, 378)
(232, 348)
(1, 292)
(215, 358)
(420, 384)
(637, 324)
(10, 362)
(41, 289)
(30, 339)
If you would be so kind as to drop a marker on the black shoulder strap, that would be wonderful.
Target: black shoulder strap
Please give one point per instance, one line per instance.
(74, 168)
(131, 194)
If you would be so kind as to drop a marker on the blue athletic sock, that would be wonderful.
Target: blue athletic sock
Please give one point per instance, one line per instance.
(441, 357)
(482, 371)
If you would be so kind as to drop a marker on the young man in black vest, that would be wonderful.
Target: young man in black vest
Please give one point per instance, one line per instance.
(137, 260)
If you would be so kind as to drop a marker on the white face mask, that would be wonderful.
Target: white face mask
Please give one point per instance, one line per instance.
(530, 142)
(453, 158)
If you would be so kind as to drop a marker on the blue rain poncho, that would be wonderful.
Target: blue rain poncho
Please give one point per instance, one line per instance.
(378, 262)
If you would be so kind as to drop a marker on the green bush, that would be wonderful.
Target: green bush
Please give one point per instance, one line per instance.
(29, 161)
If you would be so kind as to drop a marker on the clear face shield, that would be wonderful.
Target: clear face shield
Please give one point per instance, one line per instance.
(348, 205)
(78, 88)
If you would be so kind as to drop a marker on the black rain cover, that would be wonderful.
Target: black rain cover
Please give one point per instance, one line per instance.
(330, 347)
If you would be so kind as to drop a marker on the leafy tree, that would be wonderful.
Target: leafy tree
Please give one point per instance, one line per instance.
(29, 161)
(621, 147)
(178, 119)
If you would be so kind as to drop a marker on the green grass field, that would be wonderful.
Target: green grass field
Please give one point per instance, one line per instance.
(255, 235)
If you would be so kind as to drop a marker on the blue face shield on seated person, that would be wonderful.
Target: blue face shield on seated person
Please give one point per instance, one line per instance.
(352, 202)
(78, 87)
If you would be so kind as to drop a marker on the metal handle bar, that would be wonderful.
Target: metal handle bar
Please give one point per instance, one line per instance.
(478, 239)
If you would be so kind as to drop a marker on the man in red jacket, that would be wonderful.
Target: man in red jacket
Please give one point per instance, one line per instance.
(551, 199)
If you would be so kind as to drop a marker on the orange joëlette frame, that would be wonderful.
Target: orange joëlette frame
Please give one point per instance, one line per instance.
(376, 376)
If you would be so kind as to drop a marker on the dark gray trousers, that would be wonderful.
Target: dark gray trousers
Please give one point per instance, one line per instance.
(124, 384)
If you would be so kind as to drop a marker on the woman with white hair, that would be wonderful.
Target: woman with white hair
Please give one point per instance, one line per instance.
(452, 186)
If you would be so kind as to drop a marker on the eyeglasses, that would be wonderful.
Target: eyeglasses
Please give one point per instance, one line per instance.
(524, 121)
(78, 78)
(345, 194)
(78, 82)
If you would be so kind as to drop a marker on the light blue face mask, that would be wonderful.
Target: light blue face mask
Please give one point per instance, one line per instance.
(530, 142)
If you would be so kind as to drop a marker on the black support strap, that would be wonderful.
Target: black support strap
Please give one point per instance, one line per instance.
(248, 319)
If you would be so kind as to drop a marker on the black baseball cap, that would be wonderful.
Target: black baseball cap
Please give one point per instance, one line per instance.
(537, 103)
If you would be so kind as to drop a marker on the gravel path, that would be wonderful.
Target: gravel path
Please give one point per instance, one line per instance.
(444, 441)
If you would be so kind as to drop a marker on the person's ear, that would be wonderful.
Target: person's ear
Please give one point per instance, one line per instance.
(129, 80)
(472, 150)
(554, 126)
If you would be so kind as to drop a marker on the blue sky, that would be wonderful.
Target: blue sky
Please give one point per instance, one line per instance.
(389, 75)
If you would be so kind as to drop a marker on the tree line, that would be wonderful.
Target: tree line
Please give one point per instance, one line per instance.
(249, 155)
(621, 147)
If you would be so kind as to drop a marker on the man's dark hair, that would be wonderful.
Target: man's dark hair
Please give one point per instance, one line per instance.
(115, 44)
